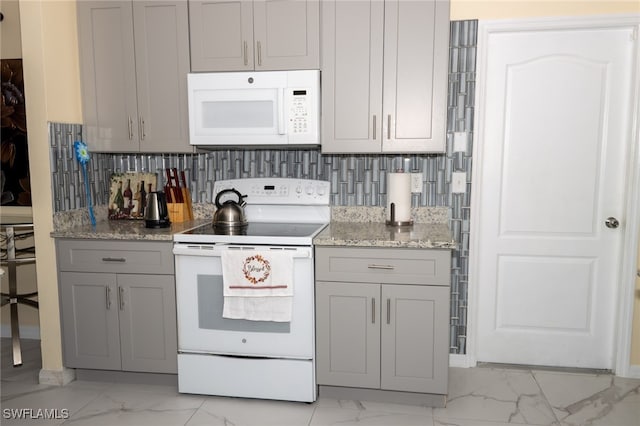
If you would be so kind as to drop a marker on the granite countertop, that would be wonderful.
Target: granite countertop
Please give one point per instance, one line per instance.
(377, 234)
(365, 227)
(350, 226)
(76, 224)
(125, 230)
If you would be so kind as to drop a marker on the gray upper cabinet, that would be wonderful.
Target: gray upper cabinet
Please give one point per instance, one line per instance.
(239, 35)
(134, 60)
(384, 70)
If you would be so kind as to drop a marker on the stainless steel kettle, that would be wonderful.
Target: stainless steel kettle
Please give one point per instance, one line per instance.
(156, 213)
(230, 214)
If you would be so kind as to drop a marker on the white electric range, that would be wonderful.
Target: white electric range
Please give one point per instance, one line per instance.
(266, 359)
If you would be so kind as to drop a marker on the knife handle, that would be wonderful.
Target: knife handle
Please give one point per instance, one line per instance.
(177, 190)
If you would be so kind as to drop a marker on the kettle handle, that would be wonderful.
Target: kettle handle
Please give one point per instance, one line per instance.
(224, 191)
(162, 205)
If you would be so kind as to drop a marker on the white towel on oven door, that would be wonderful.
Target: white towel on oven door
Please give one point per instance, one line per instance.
(258, 285)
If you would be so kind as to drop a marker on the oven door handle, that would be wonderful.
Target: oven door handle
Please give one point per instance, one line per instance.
(216, 250)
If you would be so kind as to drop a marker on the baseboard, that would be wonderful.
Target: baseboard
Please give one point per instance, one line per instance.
(461, 361)
(379, 395)
(634, 372)
(57, 377)
(129, 377)
(26, 331)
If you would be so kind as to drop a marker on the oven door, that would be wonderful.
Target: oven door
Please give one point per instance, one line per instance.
(199, 296)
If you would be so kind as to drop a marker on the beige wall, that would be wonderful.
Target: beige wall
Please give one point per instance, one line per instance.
(10, 30)
(51, 75)
(500, 9)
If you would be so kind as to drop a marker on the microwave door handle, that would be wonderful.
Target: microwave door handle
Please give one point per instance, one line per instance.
(281, 107)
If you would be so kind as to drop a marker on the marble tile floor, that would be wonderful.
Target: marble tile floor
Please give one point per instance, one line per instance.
(484, 396)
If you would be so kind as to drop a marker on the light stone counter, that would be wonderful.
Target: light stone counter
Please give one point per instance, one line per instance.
(76, 224)
(125, 230)
(365, 227)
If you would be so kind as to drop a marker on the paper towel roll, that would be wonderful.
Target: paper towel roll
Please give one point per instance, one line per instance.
(399, 193)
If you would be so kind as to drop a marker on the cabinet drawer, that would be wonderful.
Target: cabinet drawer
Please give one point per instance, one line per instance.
(115, 256)
(383, 265)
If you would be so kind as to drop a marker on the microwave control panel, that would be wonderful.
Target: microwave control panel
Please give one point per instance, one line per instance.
(299, 112)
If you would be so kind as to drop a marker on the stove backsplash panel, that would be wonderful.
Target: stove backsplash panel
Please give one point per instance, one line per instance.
(356, 180)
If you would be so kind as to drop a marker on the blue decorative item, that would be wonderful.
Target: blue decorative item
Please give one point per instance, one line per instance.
(82, 154)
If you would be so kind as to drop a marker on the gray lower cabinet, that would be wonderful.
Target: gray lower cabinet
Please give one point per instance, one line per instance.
(384, 325)
(115, 318)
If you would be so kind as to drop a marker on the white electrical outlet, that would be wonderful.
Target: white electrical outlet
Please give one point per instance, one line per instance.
(459, 141)
(416, 182)
(459, 182)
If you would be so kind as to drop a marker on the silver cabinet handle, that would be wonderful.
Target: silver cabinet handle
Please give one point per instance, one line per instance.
(612, 223)
(374, 266)
(142, 134)
(388, 311)
(246, 57)
(114, 259)
(373, 311)
(389, 126)
(108, 295)
(374, 127)
(130, 128)
(259, 46)
(121, 298)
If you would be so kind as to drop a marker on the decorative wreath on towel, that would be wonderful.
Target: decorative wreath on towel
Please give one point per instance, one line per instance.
(256, 269)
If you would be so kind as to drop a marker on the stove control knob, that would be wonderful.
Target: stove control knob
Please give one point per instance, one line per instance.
(309, 190)
(320, 190)
(298, 189)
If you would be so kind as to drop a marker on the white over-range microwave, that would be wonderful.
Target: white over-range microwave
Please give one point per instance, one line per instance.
(254, 108)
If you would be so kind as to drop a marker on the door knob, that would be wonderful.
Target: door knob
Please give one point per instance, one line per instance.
(612, 222)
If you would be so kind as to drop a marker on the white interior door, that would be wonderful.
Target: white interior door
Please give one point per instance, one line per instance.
(554, 128)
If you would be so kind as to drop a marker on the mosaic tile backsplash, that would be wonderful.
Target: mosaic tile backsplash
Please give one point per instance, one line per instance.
(356, 180)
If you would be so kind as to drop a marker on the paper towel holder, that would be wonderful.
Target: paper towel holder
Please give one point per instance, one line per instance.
(392, 218)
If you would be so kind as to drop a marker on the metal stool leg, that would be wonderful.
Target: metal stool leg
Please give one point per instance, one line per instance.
(15, 329)
(13, 298)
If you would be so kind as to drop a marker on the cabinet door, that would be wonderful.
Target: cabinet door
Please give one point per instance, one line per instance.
(221, 35)
(90, 320)
(107, 71)
(161, 30)
(415, 338)
(352, 41)
(286, 34)
(348, 334)
(147, 307)
(416, 45)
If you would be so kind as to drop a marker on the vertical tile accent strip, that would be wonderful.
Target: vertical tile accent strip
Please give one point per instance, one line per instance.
(355, 179)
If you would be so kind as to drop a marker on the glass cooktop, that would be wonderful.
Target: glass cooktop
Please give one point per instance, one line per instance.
(261, 230)
(254, 233)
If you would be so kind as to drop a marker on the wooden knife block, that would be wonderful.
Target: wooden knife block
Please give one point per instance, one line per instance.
(178, 212)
